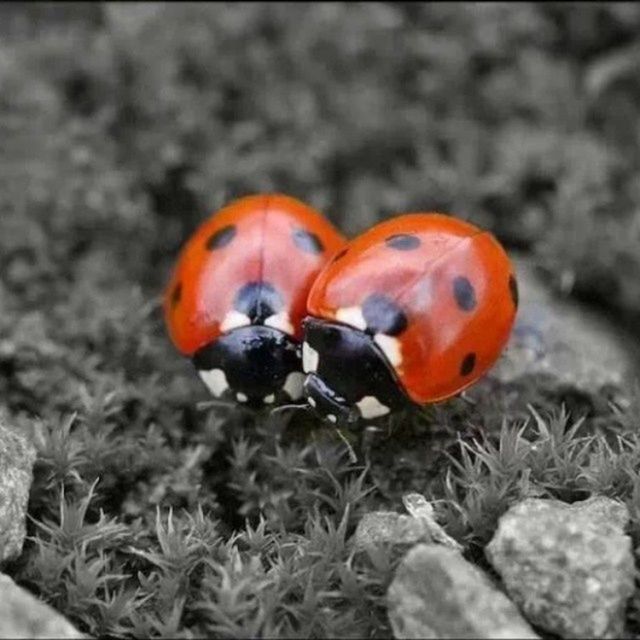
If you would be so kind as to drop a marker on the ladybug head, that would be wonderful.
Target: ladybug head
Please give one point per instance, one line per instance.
(255, 365)
(348, 377)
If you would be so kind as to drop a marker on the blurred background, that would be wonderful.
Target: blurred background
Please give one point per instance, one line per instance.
(122, 126)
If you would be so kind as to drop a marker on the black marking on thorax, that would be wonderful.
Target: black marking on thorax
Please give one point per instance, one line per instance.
(256, 360)
(352, 366)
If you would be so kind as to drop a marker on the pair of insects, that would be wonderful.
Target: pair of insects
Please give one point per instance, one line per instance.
(274, 306)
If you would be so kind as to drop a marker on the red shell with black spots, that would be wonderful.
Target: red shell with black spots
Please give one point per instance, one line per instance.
(267, 238)
(442, 292)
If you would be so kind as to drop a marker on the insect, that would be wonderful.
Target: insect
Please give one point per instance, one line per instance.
(411, 312)
(237, 296)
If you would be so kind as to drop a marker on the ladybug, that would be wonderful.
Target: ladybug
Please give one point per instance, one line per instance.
(237, 296)
(411, 312)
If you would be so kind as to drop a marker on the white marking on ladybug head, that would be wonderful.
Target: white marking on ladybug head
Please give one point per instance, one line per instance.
(371, 407)
(331, 418)
(312, 402)
(391, 348)
(310, 358)
(280, 321)
(352, 316)
(293, 385)
(241, 397)
(216, 381)
(233, 320)
(270, 399)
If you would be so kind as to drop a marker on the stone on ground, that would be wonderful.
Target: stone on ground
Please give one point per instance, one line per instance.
(436, 593)
(389, 527)
(22, 615)
(17, 456)
(560, 343)
(569, 567)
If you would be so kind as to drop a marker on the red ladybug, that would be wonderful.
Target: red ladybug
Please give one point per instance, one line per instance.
(411, 312)
(238, 294)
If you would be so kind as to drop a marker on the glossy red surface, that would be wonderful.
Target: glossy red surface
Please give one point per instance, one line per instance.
(440, 334)
(262, 248)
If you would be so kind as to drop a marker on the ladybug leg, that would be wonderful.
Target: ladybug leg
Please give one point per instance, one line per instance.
(278, 419)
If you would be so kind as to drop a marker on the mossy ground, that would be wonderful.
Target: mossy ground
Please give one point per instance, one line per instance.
(123, 126)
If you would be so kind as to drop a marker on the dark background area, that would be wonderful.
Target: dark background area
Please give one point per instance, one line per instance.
(146, 118)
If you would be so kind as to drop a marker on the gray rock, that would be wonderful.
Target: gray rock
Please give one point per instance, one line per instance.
(24, 616)
(420, 508)
(389, 527)
(17, 455)
(564, 342)
(569, 567)
(436, 593)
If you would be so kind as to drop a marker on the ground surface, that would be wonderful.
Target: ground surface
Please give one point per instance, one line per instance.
(123, 126)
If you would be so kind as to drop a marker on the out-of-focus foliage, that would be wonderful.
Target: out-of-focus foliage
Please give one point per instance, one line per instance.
(523, 118)
(123, 125)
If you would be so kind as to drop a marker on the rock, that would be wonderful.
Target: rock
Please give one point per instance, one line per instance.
(389, 527)
(22, 615)
(17, 456)
(420, 508)
(436, 593)
(564, 342)
(569, 567)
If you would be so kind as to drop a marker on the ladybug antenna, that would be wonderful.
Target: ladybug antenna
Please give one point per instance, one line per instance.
(303, 406)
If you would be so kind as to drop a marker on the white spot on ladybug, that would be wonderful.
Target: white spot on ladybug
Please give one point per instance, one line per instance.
(233, 320)
(390, 347)
(352, 316)
(241, 397)
(216, 381)
(293, 385)
(331, 418)
(280, 321)
(270, 399)
(310, 358)
(371, 407)
(312, 402)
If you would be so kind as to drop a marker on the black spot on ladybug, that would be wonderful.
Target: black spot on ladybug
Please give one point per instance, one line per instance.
(176, 295)
(383, 315)
(258, 301)
(403, 242)
(513, 288)
(341, 254)
(307, 241)
(221, 238)
(464, 293)
(468, 364)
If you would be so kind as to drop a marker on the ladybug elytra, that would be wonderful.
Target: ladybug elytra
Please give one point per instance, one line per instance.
(411, 312)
